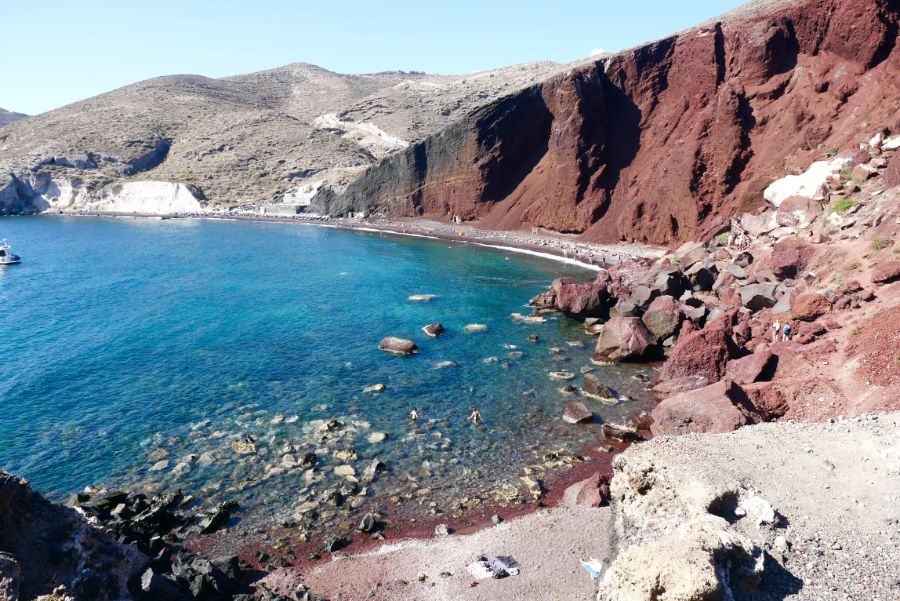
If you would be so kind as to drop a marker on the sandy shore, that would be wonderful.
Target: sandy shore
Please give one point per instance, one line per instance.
(546, 244)
(548, 545)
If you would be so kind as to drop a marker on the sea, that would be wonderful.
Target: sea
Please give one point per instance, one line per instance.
(212, 356)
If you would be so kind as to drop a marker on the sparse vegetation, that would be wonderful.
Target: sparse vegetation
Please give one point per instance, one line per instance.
(880, 243)
(856, 330)
(842, 205)
(722, 239)
(845, 173)
(851, 265)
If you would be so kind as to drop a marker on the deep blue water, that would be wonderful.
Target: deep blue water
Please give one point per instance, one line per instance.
(121, 337)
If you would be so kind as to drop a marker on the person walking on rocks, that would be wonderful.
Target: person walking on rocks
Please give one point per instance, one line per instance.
(786, 332)
(776, 329)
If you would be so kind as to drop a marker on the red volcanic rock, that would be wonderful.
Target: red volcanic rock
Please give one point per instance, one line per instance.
(661, 143)
(807, 332)
(891, 175)
(809, 306)
(577, 412)
(767, 400)
(682, 384)
(886, 272)
(752, 368)
(790, 257)
(582, 300)
(623, 338)
(592, 492)
(710, 409)
(662, 317)
(701, 353)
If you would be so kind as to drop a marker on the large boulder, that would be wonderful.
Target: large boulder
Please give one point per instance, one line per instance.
(662, 317)
(752, 368)
(397, 346)
(715, 408)
(582, 300)
(798, 211)
(623, 338)
(757, 297)
(690, 253)
(790, 256)
(812, 183)
(702, 352)
(592, 492)
(809, 306)
(886, 272)
(577, 412)
(757, 225)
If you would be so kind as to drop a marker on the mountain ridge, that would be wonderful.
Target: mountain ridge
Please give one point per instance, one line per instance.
(659, 143)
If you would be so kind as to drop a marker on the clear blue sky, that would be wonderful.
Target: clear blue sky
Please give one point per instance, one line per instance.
(59, 51)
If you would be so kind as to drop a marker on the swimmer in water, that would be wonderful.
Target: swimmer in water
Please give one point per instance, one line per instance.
(475, 417)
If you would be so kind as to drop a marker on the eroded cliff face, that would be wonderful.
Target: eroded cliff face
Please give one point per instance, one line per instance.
(663, 142)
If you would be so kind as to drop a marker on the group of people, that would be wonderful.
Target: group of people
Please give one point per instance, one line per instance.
(783, 330)
(474, 417)
(737, 238)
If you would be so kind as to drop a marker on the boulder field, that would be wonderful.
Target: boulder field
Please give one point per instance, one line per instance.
(714, 312)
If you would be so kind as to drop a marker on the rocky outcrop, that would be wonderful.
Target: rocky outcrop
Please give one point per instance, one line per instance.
(741, 516)
(703, 123)
(49, 545)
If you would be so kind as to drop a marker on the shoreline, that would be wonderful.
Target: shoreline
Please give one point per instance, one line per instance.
(544, 245)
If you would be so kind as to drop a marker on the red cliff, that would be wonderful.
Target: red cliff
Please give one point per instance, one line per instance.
(662, 142)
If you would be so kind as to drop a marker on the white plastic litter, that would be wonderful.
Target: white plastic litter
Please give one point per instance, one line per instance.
(594, 567)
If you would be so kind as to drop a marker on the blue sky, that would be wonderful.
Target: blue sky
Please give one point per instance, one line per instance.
(56, 52)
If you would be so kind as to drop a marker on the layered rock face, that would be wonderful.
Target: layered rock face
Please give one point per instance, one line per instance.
(662, 142)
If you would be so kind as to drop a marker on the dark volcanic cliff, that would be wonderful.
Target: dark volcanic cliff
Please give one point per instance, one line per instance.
(662, 142)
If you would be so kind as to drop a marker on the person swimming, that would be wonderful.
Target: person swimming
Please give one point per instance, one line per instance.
(475, 417)
(414, 415)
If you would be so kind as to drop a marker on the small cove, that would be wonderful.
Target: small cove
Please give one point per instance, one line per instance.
(141, 353)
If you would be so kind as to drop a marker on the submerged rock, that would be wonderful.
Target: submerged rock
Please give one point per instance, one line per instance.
(475, 328)
(434, 329)
(577, 412)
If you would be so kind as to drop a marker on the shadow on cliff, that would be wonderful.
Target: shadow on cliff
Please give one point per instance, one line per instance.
(623, 140)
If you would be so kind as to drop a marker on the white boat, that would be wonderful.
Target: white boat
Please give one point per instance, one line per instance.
(6, 255)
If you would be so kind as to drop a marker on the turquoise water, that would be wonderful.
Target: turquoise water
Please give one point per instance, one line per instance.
(128, 342)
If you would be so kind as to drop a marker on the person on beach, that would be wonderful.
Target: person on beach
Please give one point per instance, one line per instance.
(786, 332)
(475, 417)
(414, 415)
(776, 329)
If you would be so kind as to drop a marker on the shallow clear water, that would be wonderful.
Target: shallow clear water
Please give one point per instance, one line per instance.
(123, 337)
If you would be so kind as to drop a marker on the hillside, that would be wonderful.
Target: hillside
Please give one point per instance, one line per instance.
(7, 117)
(660, 143)
(245, 139)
